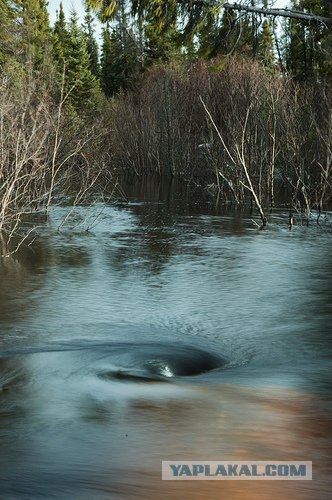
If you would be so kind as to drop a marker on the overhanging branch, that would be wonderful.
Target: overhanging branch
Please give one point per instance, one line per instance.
(279, 12)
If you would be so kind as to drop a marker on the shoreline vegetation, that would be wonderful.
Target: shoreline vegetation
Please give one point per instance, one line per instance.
(222, 101)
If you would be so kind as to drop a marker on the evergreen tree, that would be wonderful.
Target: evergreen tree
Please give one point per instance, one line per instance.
(92, 45)
(107, 80)
(161, 46)
(319, 39)
(6, 33)
(35, 29)
(120, 60)
(24, 37)
(208, 36)
(308, 46)
(296, 47)
(73, 62)
(157, 36)
(60, 39)
(247, 45)
(265, 53)
(80, 83)
(228, 34)
(231, 34)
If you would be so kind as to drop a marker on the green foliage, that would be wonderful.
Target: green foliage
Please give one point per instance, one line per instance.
(107, 9)
(265, 48)
(308, 47)
(161, 46)
(74, 63)
(208, 36)
(141, 32)
(107, 64)
(92, 45)
(35, 29)
(25, 33)
(120, 60)
(6, 35)
(80, 83)
(60, 39)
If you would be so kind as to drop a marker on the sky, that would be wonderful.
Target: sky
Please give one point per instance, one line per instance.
(68, 5)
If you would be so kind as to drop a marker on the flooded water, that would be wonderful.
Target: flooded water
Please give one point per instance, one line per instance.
(170, 330)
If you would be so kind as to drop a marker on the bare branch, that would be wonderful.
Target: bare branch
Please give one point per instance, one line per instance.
(279, 13)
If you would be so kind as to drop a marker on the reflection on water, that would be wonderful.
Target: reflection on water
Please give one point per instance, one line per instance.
(164, 271)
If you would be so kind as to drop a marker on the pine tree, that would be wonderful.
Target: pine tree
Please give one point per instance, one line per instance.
(24, 38)
(235, 35)
(156, 21)
(247, 45)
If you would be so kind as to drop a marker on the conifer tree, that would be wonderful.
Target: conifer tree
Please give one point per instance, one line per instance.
(308, 47)
(92, 45)
(35, 29)
(80, 82)
(6, 33)
(120, 60)
(70, 52)
(247, 41)
(161, 46)
(208, 37)
(319, 39)
(296, 48)
(107, 82)
(265, 53)
(60, 39)
(228, 33)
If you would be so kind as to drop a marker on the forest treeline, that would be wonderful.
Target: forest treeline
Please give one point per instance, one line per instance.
(231, 100)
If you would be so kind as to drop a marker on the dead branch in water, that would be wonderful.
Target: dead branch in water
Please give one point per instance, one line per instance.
(239, 160)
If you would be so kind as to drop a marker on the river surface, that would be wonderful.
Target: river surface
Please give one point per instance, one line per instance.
(106, 338)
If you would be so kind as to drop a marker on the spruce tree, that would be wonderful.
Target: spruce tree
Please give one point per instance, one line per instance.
(80, 84)
(265, 53)
(296, 48)
(107, 80)
(120, 60)
(208, 37)
(247, 40)
(7, 38)
(60, 39)
(161, 46)
(308, 46)
(35, 30)
(91, 43)
(228, 33)
(319, 39)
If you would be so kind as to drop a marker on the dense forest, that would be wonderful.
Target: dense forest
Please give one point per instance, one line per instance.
(231, 100)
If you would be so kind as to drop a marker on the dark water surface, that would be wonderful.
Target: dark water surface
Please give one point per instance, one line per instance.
(169, 331)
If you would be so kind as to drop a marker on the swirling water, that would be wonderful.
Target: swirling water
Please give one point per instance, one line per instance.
(84, 315)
